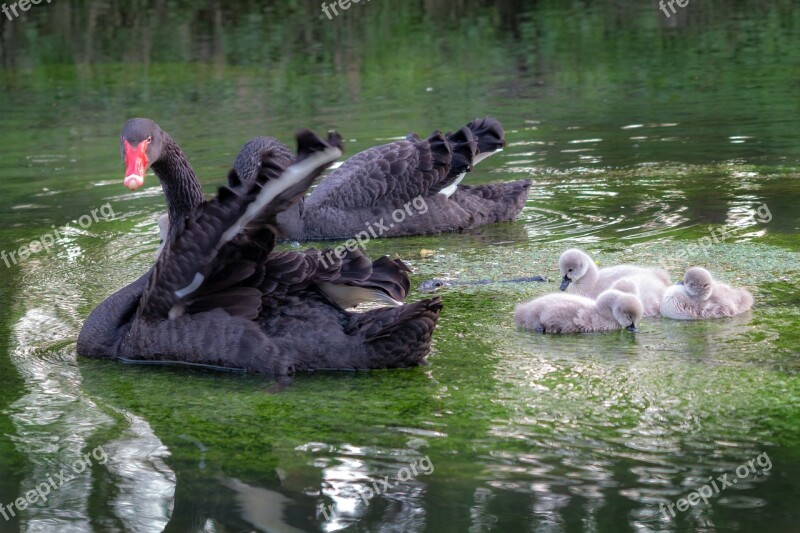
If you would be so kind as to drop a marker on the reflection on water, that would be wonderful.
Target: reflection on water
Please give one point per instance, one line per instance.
(56, 424)
(641, 135)
(550, 430)
(352, 477)
(645, 409)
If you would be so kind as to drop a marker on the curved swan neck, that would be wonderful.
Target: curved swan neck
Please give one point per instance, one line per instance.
(105, 328)
(181, 187)
(592, 275)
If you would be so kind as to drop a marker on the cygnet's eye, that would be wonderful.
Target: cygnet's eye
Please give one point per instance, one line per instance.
(570, 270)
(438, 284)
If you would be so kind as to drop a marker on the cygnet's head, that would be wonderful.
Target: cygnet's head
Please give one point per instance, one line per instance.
(626, 308)
(573, 264)
(627, 311)
(697, 283)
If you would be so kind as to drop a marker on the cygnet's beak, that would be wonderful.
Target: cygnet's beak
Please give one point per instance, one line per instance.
(565, 283)
(632, 328)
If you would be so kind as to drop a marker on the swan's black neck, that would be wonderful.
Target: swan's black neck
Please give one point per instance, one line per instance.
(104, 331)
(181, 187)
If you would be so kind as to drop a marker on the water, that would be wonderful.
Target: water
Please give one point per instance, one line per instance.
(643, 135)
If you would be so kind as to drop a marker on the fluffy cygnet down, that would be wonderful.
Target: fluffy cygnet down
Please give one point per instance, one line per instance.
(580, 275)
(649, 287)
(569, 313)
(700, 296)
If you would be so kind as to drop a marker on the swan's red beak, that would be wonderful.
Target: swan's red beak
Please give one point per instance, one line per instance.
(135, 164)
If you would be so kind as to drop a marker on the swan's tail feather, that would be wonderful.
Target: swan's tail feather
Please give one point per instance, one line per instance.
(343, 268)
(384, 281)
(398, 337)
(391, 277)
(346, 280)
(490, 135)
(464, 147)
(349, 296)
(469, 146)
(441, 153)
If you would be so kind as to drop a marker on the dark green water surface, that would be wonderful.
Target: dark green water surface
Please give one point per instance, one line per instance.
(643, 135)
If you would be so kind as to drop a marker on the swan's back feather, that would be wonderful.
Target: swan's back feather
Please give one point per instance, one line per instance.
(291, 273)
(388, 175)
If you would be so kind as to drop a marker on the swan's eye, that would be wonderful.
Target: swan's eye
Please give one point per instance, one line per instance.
(438, 284)
(570, 270)
(149, 138)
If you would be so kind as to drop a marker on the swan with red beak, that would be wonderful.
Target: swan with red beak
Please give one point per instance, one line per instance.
(144, 145)
(141, 143)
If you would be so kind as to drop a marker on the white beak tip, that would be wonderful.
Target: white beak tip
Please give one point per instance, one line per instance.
(133, 181)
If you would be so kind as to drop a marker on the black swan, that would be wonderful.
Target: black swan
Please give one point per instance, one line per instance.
(408, 187)
(144, 144)
(219, 296)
